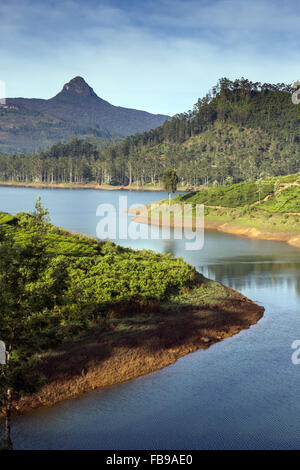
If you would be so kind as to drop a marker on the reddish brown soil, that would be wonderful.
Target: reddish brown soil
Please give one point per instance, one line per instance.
(110, 355)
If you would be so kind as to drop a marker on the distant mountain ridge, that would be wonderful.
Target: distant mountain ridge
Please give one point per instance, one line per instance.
(240, 131)
(28, 124)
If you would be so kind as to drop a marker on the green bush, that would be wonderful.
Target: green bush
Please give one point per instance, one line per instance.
(103, 275)
(235, 195)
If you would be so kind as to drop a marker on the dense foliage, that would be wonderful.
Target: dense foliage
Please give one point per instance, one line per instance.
(170, 181)
(32, 286)
(102, 274)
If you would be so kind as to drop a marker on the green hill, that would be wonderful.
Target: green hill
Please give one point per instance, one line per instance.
(267, 209)
(240, 131)
(106, 273)
(105, 280)
(276, 195)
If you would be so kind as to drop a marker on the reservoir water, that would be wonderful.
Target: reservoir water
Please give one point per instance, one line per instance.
(242, 393)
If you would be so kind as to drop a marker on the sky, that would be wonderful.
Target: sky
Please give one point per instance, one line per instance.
(155, 55)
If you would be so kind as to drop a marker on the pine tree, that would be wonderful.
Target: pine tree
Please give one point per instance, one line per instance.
(170, 181)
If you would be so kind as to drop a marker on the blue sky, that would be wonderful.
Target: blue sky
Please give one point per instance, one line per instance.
(159, 56)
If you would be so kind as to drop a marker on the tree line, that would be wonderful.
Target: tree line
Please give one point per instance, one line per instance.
(240, 130)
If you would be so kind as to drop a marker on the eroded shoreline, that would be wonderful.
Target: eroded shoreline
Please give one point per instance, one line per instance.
(234, 228)
(121, 349)
(105, 358)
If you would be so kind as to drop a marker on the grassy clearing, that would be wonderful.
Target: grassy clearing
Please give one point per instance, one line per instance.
(235, 195)
(271, 205)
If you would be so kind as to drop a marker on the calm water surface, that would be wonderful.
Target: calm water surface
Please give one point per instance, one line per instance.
(241, 393)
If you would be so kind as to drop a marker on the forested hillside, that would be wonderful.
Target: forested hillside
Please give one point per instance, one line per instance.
(24, 130)
(239, 131)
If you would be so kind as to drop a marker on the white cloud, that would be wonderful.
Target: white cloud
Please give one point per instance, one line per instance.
(161, 60)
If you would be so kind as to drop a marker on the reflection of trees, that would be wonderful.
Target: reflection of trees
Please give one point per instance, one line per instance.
(297, 286)
(249, 272)
(169, 247)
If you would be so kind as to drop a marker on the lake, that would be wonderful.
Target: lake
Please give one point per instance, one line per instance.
(242, 393)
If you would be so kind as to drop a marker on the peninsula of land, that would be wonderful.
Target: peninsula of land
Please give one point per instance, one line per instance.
(120, 313)
(267, 210)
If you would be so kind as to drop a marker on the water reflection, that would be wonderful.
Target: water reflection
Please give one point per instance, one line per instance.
(169, 247)
(240, 393)
(259, 273)
(252, 277)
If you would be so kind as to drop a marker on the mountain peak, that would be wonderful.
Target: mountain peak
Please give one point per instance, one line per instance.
(78, 85)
